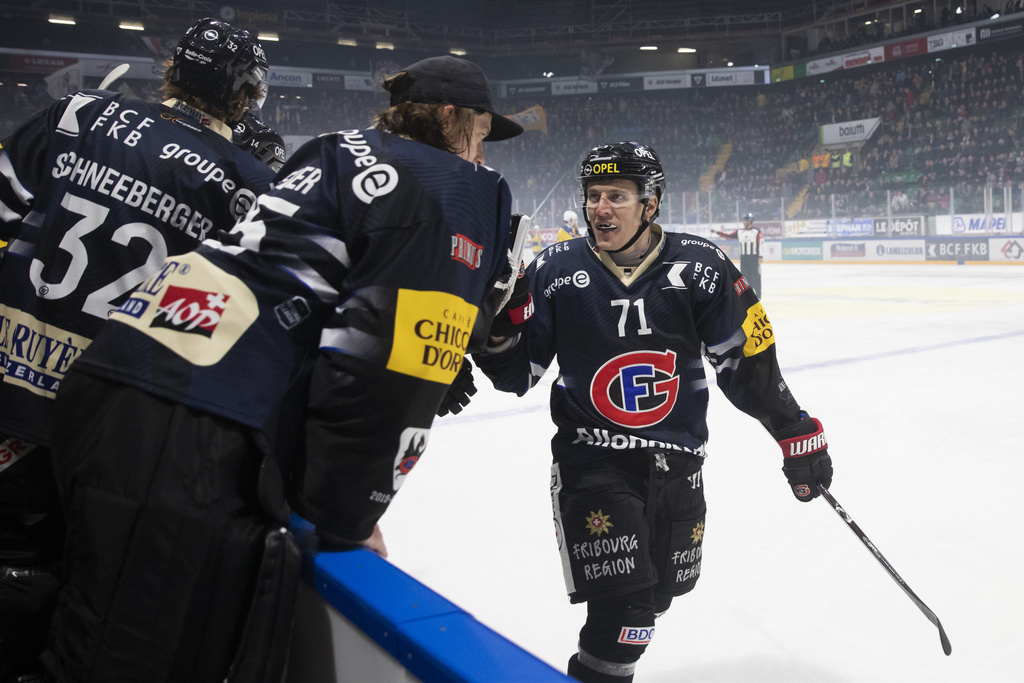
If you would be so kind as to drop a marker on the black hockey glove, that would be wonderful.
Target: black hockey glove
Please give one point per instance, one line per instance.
(519, 309)
(459, 391)
(806, 462)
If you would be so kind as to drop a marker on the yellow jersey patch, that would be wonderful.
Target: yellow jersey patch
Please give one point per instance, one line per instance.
(432, 332)
(759, 331)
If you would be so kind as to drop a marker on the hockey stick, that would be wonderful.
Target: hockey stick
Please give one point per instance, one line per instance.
(515, 257)
(946, 647)
(115, 73)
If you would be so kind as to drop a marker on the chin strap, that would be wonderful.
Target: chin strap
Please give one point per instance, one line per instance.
(644, 224)
(643, 227)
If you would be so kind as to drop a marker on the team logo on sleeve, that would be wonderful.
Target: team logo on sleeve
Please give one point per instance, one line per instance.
(637, 389)
(410, 447)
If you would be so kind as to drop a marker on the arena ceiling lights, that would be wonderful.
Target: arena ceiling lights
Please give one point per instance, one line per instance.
(131, 26)
(65, 19)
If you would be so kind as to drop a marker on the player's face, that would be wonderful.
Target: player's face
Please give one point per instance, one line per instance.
(615, 213)
(748, 222)
(474, 151)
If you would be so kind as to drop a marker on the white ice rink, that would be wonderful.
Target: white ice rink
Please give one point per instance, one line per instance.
(916, 373)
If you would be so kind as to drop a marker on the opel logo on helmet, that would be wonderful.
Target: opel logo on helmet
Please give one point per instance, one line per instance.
(588, 169)
(210, 34)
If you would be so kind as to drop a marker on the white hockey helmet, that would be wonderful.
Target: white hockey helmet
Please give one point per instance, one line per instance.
(570, 218)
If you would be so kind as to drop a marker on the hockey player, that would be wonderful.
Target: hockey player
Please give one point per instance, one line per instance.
(629, 312)
(259, 140)
(303, 355)
(751, 241)
(96, 190)
(570, 226)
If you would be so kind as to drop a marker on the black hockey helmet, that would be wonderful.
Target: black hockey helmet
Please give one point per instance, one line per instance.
(215, 61)
(260, 140)
(630, 160)
(748, 216)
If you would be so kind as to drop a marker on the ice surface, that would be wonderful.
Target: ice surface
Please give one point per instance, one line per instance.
(916, 373)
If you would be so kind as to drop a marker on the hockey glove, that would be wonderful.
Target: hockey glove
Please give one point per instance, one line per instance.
(459, 392)
(806, 462)
(519, 309)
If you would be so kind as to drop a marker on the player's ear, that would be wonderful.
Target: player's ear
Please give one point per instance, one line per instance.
(652, 206)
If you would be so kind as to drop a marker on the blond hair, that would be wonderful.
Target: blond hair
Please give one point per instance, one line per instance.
(424, 121)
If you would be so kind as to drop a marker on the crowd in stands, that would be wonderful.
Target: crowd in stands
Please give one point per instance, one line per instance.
(951, 127)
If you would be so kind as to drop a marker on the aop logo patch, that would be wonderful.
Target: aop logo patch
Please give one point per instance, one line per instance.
(192, 311)
(185, 307)
(636, 389)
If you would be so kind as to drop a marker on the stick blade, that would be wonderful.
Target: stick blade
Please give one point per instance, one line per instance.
(115, 73)
(946, 646)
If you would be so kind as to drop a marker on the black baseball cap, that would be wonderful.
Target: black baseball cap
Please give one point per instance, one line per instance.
(453, 81)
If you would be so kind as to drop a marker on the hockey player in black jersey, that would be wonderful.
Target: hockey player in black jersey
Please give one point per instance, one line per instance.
(95, 191)
(751, 242)
(298, 358)
(629, 311)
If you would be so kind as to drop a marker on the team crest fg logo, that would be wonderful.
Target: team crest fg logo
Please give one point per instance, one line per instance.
(637, 389)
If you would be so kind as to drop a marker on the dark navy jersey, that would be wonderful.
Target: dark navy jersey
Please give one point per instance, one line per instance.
(629, 346)
(369, 263)
(95, 192)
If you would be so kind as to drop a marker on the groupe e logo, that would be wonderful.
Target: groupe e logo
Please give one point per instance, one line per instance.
(375, 181)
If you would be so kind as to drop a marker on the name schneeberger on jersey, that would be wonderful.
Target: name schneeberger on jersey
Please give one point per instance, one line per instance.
(132, 192)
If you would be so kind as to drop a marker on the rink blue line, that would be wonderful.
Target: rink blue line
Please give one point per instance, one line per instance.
(901, 352)
(527, 410)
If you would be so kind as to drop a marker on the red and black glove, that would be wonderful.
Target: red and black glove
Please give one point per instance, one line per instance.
(459, 392)
(806, 462)
(510, 319)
